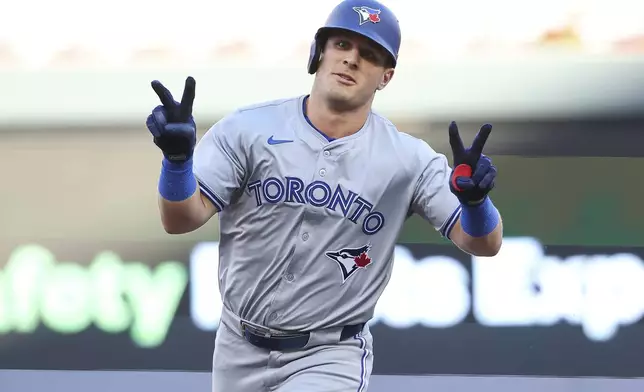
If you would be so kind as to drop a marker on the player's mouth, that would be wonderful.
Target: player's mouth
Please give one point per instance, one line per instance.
(345, 79)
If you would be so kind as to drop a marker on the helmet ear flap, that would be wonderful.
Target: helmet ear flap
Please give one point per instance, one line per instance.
(317, 46)
(314, 57)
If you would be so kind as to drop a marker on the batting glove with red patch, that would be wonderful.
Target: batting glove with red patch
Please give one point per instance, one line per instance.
(473, 175)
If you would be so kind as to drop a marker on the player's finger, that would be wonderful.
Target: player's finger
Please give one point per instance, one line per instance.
(482, 169)
(480, 139)
(455, 140)
(164, 94)
(488, 181)
(185, 108)
(464, 183)
(152, 126)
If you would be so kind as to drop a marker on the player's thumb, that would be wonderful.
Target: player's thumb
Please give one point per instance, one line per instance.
(186, 130)
(464, 183)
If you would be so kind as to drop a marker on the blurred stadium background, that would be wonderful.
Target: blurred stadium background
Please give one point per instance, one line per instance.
(89, 279)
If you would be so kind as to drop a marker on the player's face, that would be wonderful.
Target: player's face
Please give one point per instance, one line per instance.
(351, 70)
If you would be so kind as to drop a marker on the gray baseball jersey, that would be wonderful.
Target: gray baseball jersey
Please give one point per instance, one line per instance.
(308, 226)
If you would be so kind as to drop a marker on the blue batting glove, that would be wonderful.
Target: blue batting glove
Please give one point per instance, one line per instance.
(172, 126)
(473, 175)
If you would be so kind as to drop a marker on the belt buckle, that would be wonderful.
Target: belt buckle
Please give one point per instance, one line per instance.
(263, 331)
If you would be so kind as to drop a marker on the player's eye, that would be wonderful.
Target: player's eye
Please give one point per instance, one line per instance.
(342, 44)
(370, 56)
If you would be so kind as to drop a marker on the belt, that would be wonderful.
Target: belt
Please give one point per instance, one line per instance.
(284, 342)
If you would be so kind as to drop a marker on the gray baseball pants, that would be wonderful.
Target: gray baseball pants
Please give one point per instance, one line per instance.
(325, 364)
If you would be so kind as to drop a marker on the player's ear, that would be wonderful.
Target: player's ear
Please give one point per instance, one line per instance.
(386, 78)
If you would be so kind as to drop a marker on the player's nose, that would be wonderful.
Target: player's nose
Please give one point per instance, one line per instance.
(351, 58)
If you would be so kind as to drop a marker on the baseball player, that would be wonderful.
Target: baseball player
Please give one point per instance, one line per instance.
(311, 194)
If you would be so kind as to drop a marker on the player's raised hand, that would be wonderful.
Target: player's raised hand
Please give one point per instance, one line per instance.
(171, 123)
(473, 175)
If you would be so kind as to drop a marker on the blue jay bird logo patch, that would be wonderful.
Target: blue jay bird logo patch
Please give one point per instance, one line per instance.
(350, 259)
(367, 14)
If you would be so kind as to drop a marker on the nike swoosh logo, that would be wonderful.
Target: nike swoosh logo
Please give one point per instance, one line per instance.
(272, 141)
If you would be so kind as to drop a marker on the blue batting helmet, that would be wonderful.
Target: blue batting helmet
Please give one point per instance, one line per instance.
(368, 18)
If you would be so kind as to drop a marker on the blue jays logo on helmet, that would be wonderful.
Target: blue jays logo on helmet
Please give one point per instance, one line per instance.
(350, 260)
(367, 14)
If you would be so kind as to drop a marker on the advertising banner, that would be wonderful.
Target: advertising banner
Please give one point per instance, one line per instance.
(531, 310)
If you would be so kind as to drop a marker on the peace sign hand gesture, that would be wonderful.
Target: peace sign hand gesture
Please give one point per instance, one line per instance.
(473, 175)
(171, 123)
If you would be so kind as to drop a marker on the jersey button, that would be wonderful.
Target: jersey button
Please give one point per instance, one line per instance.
(305, 236)
(322, 173)
(327, 153)
(290, 277)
